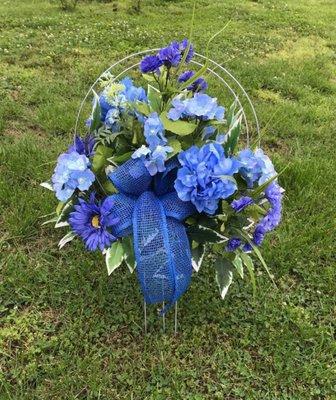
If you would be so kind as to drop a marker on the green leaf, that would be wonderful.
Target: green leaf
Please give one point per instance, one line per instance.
(143, 108)
(64, 210)
(149, 77)
(66, 239)
(201, 234)
(233, 134)
(176, 146)
(120, 158)
(100, 158)
(129, 257)
(237, 262)
(197, 256)
(47, 185)
(114, 257)
(181, 128)
(96, 115)
(247, 260)
(223, 275)
(50, 221)
(257, 252)
(154, 98)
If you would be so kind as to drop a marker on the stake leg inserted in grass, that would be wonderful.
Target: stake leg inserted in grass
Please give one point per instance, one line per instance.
(175, 319)
(163, 318)
(145, 316)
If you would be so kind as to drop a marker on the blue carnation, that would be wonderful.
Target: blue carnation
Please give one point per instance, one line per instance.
(72, 172)
(199, 85)
(240, 204)
(170, 56)
(92, 221)
(150, 64)
(200, 105)
(233, 244)
(83, 146)
(255, 166)
(205, 176)
(183, 46)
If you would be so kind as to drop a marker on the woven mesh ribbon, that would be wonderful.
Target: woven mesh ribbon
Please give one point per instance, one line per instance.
(151, 210)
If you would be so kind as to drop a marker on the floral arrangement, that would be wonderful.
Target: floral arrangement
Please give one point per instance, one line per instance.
(162, 175)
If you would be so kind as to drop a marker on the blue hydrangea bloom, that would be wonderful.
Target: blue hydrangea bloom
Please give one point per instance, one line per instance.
(233, 244)
(72, 172)
(199, 85)
(154, 160)
(200, 105)
(154, 131)
(92, 221)
(205, 176)
(240, 204)
(150, 64)
(113, 105)
(155, 155)
(170, 55)
(83, 146)
(255, 166)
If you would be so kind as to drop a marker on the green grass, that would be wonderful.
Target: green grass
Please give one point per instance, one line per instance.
(69, 332)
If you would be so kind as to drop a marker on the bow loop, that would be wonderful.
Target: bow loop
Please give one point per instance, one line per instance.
(161, 245)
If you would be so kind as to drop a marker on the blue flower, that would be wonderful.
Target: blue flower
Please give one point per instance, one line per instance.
(133, 93)
(201, 105)
(271, 220)
(92, 221)
(155, 155)
(115, 100)
(199, 85)
(255, 166)
(83, 146)
(183, 46)
(72, 172)
(205, 176)
(154, 160)
(170, 55)
(150, 64)
(233, 244)
(154, 131)
(240, 204)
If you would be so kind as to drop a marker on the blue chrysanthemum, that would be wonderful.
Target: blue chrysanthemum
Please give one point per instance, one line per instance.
(170, 56)
(93, 221)
(183, 47)
(205, 176)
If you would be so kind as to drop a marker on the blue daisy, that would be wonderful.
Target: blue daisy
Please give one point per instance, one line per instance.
(92, 221)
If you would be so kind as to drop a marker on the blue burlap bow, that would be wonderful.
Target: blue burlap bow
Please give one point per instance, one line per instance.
(150, 209)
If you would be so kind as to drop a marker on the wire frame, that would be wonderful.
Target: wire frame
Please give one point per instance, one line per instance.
(221, 81)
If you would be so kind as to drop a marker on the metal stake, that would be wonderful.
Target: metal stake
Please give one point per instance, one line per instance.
(145, 315)
(175, 319)
(163, 319)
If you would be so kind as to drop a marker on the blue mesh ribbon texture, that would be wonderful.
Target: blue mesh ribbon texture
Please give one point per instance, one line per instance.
(151, 209)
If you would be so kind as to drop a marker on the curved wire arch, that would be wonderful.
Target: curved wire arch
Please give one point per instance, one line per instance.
(212, 71)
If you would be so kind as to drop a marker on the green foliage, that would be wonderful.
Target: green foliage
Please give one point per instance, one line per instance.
(68, 5)
(114, 256)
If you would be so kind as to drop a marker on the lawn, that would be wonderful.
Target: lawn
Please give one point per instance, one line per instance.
(67, 331)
